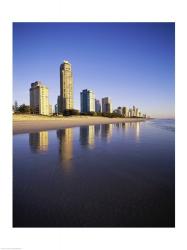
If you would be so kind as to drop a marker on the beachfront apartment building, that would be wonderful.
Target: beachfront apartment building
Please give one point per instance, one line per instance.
(66, 87)
(106, 105)
(97, 106)
(125, 111)
(87, 101)
(39, 98)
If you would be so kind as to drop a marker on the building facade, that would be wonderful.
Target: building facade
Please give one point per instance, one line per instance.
(97, 106)
(87, 101)
(125, 111)
(56, 108)
(50, 109)
(130, 113)
(39, 98)
(66, 87)
(106, 105)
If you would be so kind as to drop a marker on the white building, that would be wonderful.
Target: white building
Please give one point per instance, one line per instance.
(39, 98)
(87, 101)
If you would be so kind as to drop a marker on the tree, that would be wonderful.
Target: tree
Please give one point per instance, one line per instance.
(68, 112)
(24, 108)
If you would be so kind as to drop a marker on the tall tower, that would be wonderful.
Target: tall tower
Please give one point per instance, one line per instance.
(66, 86)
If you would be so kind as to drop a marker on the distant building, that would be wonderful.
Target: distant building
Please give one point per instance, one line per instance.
(130, 113)
(137, 112)
(97, 106)
(50, 109)
(106, 105)
(66, 87)
(119, 110)
(133, 111)
(125, 111)
(87, 101)
(56, 108)
(39, 98)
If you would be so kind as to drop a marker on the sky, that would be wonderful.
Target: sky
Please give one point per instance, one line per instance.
(132, 63)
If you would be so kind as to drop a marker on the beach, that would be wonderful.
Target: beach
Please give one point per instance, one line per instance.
(33, 123)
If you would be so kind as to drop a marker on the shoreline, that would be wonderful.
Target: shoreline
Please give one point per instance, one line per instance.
(26, 125)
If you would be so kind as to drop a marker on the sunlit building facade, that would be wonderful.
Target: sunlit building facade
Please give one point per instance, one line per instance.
(66, 87)
(39, 98)
(106, 105)
(125, 111)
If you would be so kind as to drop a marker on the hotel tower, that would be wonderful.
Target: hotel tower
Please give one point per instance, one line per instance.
(66, 87)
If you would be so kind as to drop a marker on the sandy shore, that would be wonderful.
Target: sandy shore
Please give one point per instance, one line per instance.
(27, 124)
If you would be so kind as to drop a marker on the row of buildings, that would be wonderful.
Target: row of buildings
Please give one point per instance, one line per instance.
(39, 98)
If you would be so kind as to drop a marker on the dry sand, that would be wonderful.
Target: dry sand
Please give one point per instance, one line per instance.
(34, 123)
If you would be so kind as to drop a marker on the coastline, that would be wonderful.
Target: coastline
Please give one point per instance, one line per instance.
(28, 124)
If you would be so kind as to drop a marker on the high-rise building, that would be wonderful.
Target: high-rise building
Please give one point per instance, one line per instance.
(50, 109)
(125, 111)
(87, 101)
(106, 105)
(97, 106)
(56, 108)
(66, 87)
(133, 111)
(137, 112)
(59, 105)
(119, 110)
(130, 113)
(39, 98)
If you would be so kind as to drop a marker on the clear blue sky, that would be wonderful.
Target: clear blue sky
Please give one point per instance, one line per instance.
(132, 63)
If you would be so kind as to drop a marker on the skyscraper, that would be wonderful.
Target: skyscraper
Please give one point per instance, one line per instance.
(130, 113)
(106, 105)
(133, 111)
(137, 112)
(66, 87)
(39, 98)
(87, 101)
(97, 106)
(125, 111)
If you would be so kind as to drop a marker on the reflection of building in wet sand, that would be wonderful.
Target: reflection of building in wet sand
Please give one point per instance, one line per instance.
(134, 125)
(39, 141)
(65, 137)
(137, 130)
(87, 136)
(97, 129)
(106, 131)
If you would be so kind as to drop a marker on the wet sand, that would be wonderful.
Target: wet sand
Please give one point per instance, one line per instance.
(29, 124)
